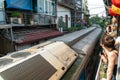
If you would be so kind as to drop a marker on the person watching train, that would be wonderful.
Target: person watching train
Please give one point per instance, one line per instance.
(110, 56)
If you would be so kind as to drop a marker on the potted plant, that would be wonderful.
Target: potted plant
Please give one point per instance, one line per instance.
(15, 18)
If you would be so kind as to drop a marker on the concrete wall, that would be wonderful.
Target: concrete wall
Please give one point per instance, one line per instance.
(4, 49)
(2, 13)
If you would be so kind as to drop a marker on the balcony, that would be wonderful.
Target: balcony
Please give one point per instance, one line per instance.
(67, 3)
(30, 19)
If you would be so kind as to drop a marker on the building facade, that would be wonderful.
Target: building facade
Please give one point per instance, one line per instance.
(34, 12)
(75, 8)
(38, 18)
(63, 15)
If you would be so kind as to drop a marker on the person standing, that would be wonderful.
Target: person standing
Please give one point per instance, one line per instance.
(110, 56)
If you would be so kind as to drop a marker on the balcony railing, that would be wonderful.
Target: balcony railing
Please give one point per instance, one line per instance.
(118, 67)
(33, 19)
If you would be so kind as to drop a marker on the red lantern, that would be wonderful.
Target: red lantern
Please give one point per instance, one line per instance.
(112, 13)
(116, 3)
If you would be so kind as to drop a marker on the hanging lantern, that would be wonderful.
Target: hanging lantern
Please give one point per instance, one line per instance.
(115, 9)
(112, 13)
(116, 3)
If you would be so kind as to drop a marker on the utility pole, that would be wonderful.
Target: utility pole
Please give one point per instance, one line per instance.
(85, 6)
(78, 8)
(81, 7)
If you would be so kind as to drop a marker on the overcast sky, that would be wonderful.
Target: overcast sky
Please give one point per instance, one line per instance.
(96, 7)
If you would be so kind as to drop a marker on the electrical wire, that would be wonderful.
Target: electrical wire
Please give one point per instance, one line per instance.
(99, 13)
(96, 7)
(99, 5)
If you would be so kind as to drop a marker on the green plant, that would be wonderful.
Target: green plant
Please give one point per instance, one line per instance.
(78, 27)
(72, 29)
(15, 14)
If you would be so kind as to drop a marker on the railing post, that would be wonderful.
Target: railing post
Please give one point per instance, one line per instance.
(118, 66)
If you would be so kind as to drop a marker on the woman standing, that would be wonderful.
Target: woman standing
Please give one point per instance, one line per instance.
(110, 56)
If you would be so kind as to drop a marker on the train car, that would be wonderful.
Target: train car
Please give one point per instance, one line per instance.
(61, 58)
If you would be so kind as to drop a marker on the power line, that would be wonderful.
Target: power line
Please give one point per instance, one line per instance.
(98, 13)
(96, 7)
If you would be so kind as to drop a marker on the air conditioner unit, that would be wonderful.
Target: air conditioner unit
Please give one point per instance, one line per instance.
(16, 20)
(52, 21)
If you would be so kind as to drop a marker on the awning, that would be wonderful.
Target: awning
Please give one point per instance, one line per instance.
(35, 36)
(19, 4)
